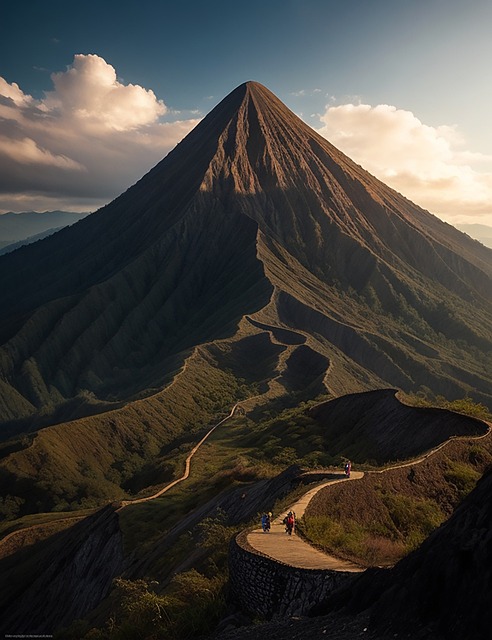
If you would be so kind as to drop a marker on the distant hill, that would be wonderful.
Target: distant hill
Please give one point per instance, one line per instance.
(20, 243)
(480, 232)
(15, 227)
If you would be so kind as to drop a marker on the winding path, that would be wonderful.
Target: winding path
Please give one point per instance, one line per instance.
(126, 503)
(18, 533)
(293, 550)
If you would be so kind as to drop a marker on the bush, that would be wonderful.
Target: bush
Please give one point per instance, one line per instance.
(190, 606)
(462, 476)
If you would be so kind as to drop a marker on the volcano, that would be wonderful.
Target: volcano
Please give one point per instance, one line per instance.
(260, 250)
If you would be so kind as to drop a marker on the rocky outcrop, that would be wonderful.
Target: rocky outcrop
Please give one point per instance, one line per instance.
(62, 578)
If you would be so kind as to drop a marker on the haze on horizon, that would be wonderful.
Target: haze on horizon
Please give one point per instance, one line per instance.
(90, 102)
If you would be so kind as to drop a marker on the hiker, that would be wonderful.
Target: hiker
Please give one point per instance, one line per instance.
(348, 468)
(265, 522)
(289, 522)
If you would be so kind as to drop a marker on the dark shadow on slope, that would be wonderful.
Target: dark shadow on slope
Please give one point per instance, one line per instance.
(285, 336)
(304, 373)
(48, 585)
(376, 426)
(254, 359)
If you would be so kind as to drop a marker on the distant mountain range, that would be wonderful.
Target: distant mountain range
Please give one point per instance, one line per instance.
(17, 229)
(29, 240)
(480, 232)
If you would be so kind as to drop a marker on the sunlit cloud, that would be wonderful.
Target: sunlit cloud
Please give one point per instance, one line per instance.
(429, 165)
(84, 142)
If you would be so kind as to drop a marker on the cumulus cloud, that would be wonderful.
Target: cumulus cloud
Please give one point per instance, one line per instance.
(84, 142)
(429, 165)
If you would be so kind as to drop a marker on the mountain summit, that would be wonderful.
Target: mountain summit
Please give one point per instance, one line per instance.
(258, 245)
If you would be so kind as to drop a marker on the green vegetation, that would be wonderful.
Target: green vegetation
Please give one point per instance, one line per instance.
(349, 539)
(466, 405)
(412, 519)
(188, 605)
(133, 450)
(289, 437)
(463, 476)
(402, 525)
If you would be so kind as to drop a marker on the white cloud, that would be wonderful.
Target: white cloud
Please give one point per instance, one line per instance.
(84, 142)
(429, 165)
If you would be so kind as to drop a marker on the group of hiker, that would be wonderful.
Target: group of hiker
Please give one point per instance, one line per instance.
(289, 522)
(290, 519)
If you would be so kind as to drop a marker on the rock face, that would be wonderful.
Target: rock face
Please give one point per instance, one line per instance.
(253, 213)
(61, 578)
(262, 587)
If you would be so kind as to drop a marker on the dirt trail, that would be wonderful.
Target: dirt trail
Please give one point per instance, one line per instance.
(126, 503)
(8, 543)
(293, 550)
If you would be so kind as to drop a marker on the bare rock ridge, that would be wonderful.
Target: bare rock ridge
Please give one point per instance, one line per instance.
(252, 214)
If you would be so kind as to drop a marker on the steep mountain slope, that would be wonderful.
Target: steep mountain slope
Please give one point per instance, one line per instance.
(252, 213)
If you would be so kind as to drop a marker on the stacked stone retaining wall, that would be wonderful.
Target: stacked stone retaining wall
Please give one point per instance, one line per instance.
(268, 588)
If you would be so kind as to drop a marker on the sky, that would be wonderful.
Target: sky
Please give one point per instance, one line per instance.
(94, 94)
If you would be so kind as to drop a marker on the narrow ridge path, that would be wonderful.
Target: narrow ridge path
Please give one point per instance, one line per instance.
(293, 550)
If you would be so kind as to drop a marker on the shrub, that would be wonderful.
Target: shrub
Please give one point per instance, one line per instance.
(462, 476)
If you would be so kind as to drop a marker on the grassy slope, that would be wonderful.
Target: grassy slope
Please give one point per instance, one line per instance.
(382, 517)
(89, 461)
(237, 455)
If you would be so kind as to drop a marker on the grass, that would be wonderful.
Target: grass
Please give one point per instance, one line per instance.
(103, 458)
(217, 466)
(381, 518)
(35, 519)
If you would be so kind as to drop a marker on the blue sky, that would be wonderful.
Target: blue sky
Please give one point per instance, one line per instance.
(93, 94)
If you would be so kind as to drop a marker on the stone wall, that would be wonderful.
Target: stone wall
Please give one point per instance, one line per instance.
(267, 588)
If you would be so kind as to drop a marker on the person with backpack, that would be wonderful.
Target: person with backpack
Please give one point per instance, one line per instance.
(289, 522)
